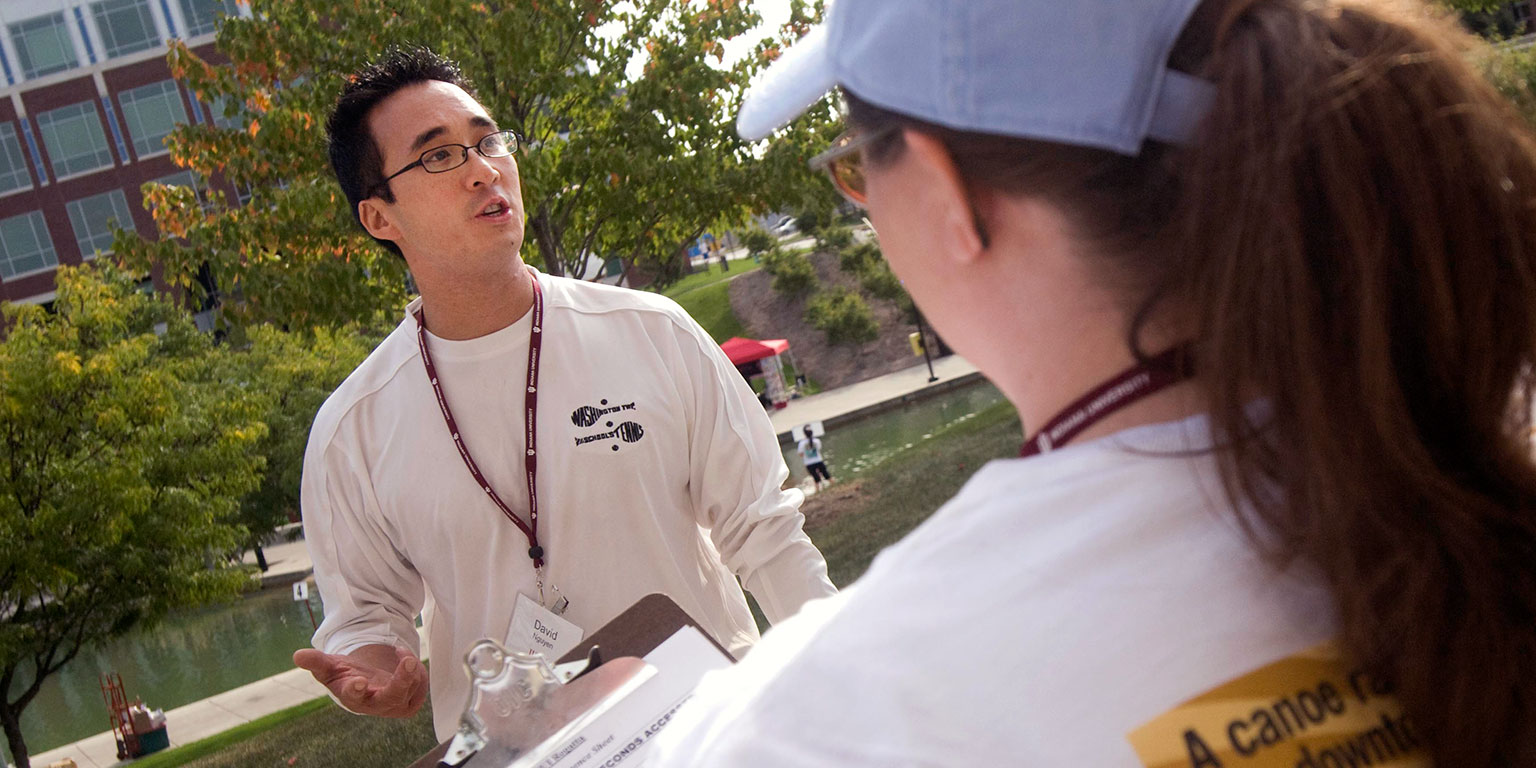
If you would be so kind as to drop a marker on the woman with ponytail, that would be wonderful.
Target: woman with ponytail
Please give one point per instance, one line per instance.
(1260, 278)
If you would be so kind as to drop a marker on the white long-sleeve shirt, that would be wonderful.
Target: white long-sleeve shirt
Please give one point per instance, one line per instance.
(677, 503)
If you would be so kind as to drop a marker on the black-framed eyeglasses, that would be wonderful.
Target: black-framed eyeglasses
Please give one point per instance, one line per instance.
(844, 162)
(450, 156)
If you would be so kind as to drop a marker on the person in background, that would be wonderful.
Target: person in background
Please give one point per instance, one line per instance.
(810, 453)
(1260, 278)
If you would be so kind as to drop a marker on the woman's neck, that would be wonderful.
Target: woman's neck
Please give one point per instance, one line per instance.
(1047, 334)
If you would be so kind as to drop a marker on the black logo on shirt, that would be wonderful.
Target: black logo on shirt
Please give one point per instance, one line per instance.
(588, 415)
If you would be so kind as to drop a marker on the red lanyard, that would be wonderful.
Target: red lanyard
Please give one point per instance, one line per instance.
(1126, 387)
(530, 423)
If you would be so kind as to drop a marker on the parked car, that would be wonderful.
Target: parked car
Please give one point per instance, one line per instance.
(788, 226)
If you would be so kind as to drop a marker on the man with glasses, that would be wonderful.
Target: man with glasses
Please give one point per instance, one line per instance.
(522, 451)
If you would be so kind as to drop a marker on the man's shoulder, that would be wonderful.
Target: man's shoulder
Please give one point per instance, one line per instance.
(382, 366)
(597, 298)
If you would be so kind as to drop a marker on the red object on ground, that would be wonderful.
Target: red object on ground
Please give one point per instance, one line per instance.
(742, 351)
(117, 711)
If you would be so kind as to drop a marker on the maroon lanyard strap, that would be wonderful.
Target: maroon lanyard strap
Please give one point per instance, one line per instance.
(530, 422)
(1126, 387)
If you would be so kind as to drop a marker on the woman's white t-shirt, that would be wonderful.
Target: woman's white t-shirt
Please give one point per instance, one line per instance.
(1055, 605)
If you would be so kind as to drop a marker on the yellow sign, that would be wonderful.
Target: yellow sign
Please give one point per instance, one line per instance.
(916, 340)
(1311, 710)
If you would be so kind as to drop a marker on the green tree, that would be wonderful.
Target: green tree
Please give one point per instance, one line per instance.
(757, 240)
(291, 374)
(123, 453)
(816, 213)
(626, 111)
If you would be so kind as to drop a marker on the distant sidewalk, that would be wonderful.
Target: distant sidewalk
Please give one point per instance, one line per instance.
(287, 562)
(871, 396)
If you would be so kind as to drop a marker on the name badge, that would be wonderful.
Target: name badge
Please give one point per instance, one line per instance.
(535, 629)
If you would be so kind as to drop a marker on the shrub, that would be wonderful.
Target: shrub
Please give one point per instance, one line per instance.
(793, 274)
(843, 316)
(758, 241)
(813, 218)
(882, 283)
(833, 239)
(860, 259)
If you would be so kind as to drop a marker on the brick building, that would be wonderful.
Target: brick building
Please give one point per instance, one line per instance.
(86, 105)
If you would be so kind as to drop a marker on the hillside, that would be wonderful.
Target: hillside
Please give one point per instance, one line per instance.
(767, 314)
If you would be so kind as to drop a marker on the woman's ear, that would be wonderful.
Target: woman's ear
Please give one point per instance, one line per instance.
(949, 198)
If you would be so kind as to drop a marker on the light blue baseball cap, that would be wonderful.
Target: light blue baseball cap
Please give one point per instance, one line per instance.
(1090, 73)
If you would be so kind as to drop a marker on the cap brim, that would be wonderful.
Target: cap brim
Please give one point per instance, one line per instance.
(790, 85)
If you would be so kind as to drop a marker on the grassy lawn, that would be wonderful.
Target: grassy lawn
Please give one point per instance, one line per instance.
(711, 307)
(851, 522)
(317, 733)
(706, 295)
(709, 276)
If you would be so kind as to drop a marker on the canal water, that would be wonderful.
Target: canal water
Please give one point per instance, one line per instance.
(187, 658)
(196, 655)
(851, 448)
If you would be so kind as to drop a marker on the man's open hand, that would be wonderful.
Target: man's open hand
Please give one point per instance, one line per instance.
(382, 680)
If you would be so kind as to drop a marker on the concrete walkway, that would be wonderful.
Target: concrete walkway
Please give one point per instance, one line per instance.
(289, 562)
(872, 396)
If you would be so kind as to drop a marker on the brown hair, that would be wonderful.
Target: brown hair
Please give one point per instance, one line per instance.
(1353, 231)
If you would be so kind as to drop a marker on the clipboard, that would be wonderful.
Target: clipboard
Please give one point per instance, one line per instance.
(635, 632)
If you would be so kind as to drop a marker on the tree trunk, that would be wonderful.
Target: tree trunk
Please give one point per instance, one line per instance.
(12, 723)
(629, 264)
(547, 240)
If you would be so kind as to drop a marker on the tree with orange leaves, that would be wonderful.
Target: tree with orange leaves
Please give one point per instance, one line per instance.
(628, 149)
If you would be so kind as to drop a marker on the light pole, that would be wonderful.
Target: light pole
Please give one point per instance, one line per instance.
(922, 341)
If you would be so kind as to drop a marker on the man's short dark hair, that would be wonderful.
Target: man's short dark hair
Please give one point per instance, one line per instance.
(355, 157)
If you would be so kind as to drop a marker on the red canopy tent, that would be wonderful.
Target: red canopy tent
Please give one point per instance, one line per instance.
(742, 351)
(760, 359)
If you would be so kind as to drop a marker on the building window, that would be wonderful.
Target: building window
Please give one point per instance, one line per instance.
(25, 245)
(151, 113)
(43, 45)
(191, 181)
(93, 217)
(179, 179)
(13, 164)
(74, 139)
(126, 26)
(220, 105)
(202, 16)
